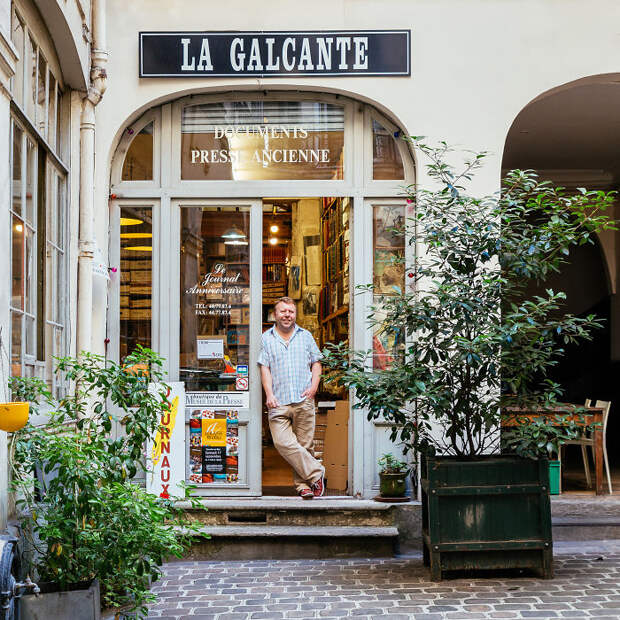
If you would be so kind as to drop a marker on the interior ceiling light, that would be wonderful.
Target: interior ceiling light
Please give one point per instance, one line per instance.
(137, 235)
(139, 248)
(233, 233)
(130, 221)
(274, 228)
(235, 242)
(273, 240)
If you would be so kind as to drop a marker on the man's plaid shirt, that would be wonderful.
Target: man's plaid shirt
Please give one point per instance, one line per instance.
(289, 363)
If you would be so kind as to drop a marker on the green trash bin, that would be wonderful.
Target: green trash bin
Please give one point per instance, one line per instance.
(554, 477)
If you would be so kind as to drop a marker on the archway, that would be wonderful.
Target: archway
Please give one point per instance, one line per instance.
(569, 135)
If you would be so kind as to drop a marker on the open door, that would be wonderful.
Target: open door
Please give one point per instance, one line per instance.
(217, 335)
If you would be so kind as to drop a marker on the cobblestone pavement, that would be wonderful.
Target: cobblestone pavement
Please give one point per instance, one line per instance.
(586, 585)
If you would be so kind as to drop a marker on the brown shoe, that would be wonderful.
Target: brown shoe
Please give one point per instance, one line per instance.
(306, 494)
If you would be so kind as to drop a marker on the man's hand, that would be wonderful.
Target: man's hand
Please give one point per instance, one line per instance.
(309, 393)
(272, 402)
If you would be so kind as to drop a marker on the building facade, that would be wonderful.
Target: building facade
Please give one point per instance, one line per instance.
(243, 153)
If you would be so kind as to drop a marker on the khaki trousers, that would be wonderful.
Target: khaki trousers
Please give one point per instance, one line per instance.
(292, 430)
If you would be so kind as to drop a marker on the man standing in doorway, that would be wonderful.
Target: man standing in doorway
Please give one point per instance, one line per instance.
(290, 372)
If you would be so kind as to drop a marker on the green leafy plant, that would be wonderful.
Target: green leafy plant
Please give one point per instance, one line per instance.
(389, 464)
(82, 514)
(476, 341)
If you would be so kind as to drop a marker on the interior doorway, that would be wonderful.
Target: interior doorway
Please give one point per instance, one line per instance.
(306, 257)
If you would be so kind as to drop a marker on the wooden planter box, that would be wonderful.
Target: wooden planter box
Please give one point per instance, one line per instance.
(486, 513)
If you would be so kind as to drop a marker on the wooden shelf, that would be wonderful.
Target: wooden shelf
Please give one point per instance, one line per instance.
(333, 315)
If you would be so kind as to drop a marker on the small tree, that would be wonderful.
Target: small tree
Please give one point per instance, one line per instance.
(476, 342)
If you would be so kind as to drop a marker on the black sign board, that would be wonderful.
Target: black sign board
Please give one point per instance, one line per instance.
(275, 54)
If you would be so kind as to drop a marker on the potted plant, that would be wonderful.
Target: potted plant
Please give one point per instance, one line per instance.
(392, 477)
(478, 342)
(86, 525)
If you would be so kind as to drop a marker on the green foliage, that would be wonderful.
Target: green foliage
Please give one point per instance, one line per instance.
(85, 517)
(389, 464)
(476, 343)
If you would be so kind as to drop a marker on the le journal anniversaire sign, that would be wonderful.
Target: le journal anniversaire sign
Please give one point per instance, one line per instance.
(273, 54)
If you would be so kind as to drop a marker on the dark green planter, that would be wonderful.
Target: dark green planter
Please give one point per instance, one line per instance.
(486, 513)
(393, 485)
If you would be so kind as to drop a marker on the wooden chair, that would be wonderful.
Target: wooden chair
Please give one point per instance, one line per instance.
(587, 440)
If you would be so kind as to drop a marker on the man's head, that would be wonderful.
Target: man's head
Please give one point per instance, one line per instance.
(285, 313)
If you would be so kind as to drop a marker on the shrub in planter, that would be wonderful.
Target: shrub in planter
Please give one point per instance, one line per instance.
(84, 517)
(477, 341)
(392, 476)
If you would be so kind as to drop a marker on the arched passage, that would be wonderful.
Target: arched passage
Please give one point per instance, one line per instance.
(570, 135)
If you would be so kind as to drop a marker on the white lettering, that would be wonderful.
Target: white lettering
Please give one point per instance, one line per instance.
(195, 155)
(343, 44)
(204, 63)
(361, 52)
(186, 66)
(270, 65)
(219, 133)
(254, 61)
(305, 56)
(325, 53)
(288, 64)
(237, 57)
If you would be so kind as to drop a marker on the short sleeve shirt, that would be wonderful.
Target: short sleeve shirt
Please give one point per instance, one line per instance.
(289, 362)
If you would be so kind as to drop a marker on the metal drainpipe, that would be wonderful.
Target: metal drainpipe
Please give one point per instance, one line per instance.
(86, 243)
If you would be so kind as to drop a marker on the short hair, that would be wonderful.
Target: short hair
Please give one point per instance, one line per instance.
(285, 300)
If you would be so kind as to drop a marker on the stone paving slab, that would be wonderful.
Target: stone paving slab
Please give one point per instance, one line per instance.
(586, 585)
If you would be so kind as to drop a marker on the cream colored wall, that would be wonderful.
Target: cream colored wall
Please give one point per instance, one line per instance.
(475, 64)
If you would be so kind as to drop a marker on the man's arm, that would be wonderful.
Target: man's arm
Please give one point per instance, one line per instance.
(316, 377)
(265, 375)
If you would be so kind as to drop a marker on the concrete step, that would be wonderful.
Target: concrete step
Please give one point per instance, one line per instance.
(292, 511)
(585, 528)
(270, 542)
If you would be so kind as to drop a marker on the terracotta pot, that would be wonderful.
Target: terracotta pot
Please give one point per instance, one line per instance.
(13, 416)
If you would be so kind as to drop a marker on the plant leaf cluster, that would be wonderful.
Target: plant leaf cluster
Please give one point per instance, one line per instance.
(476, 340)
(82, 514)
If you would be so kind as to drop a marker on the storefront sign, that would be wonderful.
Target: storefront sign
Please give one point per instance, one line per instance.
(275, 54)
(167, 451)
(236, 400)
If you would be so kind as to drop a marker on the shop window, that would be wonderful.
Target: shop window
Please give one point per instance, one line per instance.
(387, 164)
(388, 279)
(215, 297)
(138, 164)
(262, 140)
(136, 245)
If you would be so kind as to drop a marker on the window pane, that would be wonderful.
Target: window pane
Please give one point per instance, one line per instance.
(388, 277)
(136, 275)
(31, 339)
(138, 164)
(42, 96)
(31, 77)
(61, 206)
(51, 110)
(16, 181)
(215, 296)
(31, 181)
(17, 37)
(58, 120)
(262, 140)
(16, 344)
(17, 263)
(59, 274)
(386, 160)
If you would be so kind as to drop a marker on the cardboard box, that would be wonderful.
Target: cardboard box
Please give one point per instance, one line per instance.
(336, 448)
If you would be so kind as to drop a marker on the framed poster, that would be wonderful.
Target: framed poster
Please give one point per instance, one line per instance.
(294, 278)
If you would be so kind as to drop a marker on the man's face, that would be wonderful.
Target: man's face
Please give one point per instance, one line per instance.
(285, 315)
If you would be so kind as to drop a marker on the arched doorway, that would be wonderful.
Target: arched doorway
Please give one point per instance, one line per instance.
(223, 203)
(569, 135)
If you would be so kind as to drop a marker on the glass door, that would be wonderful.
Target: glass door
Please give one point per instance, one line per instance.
(218, 336)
